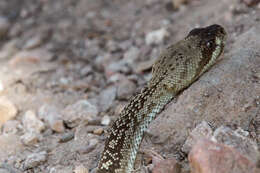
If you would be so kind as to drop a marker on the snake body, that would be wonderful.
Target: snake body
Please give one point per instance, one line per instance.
(176, 69)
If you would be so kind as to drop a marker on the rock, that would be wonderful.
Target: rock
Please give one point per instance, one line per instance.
(57, 125)
(210, 157)
(90, 147)
(98, 131)
(8, 50)
(33, 42)
(10, 144)
(35, 159)
(81, 169)
(11, 127)
(126, 89)
(112, 46)
(30, 57)
(126, 44)
(7, 167)
(156, 37)
(32, 123)
(178, 3)
(131, 55)
(92, 47)
(106, 120)
(203, 130)
(118, 66)
(251, 2)
(52, 117)
(79, 111)
(86, 70)
(106, 98)
(61, 169)
(30, 138)
(7, 110)
(67, 137)
(239, 140)
(167, 166)
(16, 30)
(116, 78)
(93, 142)
(4, 26)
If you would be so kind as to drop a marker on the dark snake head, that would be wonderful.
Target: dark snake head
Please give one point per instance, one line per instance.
(210, 41)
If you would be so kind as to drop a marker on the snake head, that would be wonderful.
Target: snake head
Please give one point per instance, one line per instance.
(210, 41)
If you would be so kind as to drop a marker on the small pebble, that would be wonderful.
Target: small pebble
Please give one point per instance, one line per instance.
(35, 159)
(126, 89)
(98, 131)
(67, 137)
(107, 98)
(33, 42)
(30, 138)
(106, 120)
(156, 37)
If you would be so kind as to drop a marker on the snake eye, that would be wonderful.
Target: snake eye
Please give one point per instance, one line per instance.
(210, 44)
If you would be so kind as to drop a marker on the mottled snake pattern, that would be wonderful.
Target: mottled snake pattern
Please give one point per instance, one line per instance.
(176, 69)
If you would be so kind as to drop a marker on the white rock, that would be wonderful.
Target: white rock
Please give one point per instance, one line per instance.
(30, 138)
(51, 115)
(156, 37)
(32, 123)
(106, 120)
(79, 111)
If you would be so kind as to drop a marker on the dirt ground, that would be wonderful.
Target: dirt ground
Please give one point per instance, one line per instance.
(72, 65)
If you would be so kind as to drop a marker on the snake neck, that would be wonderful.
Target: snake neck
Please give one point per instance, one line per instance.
(127, 132)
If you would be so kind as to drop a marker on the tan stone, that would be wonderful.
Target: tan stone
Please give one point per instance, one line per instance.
(7, 110)
(98, 131)
(210, 157)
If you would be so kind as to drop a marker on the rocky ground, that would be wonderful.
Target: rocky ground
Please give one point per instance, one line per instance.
(68, 68)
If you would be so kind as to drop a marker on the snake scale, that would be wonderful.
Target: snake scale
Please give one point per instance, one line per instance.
(176, 69)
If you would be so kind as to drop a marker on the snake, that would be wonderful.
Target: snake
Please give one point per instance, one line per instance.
(176, 68)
